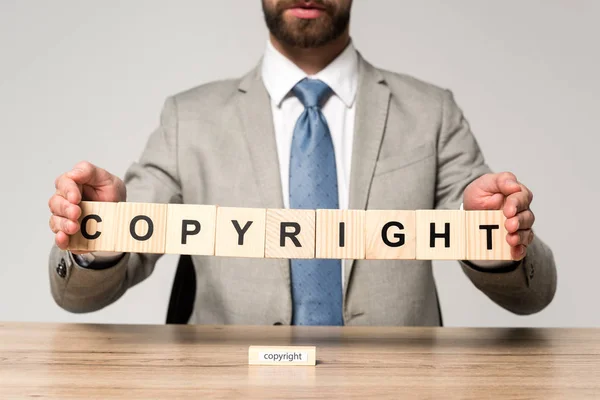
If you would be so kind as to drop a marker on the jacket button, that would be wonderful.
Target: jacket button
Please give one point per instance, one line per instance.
(61, 268)
(532, 272)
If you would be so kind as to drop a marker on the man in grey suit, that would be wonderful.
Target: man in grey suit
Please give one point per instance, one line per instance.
(376, 140)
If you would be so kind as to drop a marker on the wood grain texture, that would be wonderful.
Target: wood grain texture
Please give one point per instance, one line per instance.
(308, 355)
(477, 238)
(305, 218)
(377, 249)
(458, 247)
(106, 227)
(328, 234)
(203, 220)
(64, 361)
(252, 243)
(135, 213)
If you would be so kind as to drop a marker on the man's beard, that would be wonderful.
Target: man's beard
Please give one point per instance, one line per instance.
(307, 33)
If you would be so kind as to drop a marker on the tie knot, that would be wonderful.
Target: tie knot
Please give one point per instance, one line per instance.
(311, 92)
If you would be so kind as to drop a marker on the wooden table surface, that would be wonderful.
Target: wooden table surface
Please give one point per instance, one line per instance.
(131, 361)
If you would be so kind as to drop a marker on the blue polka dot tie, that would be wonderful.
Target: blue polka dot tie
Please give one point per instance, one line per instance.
(316, 283)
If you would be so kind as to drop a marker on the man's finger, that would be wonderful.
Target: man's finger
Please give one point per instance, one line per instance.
(507, 184)
(516, 203)
(61, 224)
(82, 173)
(62, 240)
(67, 188)
(530, 238)
(59, 206)
(518, 253)
(85, 173)
(521, 237)
(523, 220)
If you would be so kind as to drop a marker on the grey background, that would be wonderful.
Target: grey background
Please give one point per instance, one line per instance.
(86, 80)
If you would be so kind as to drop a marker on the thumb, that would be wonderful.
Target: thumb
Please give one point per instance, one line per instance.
(505, 183)
(85, 173)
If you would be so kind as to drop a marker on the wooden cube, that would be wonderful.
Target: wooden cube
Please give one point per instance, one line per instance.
(96, 227)
(340, 234)
(290, 233)
(240, 232)
(141, 227)
(191, 229)
(391, 235)
(441, 235)
(486, 236)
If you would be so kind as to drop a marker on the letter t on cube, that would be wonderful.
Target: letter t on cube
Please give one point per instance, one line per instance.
(486, 236)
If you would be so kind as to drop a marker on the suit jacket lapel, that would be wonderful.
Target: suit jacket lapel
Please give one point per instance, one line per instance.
(259, 135)
(370, 121)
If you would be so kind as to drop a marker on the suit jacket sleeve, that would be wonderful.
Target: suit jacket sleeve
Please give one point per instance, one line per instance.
(522, 287)
(152, 179)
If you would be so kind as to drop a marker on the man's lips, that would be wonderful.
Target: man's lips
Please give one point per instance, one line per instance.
(306, 10)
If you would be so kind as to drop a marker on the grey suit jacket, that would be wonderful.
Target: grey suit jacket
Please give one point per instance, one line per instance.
(413, 149)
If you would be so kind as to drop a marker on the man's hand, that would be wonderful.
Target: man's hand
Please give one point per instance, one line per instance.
(84, 182)
(504, 192)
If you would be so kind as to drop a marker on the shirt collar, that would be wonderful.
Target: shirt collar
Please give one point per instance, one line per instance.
(280, 75)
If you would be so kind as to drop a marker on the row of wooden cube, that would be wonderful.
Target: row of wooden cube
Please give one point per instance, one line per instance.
(289, 233)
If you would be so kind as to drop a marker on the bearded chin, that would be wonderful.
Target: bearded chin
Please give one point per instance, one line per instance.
(308, 33)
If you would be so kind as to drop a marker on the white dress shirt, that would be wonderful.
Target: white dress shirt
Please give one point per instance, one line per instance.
(280, 75)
